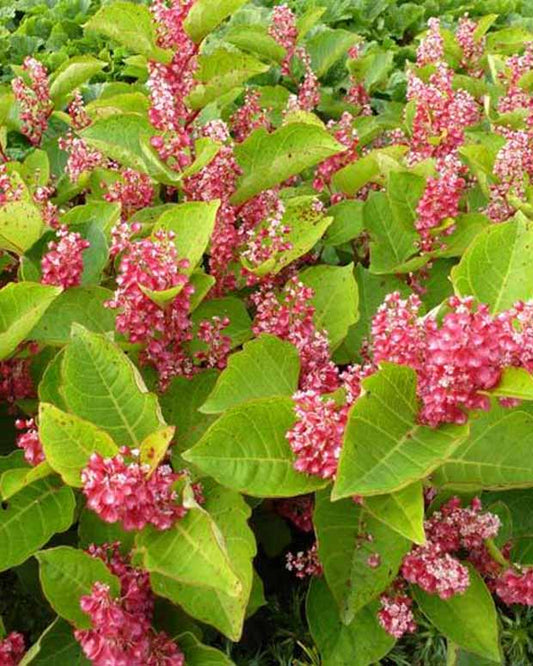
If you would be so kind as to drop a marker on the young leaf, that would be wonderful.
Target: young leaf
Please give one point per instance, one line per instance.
(268, 159)
(68, 442)
(384, 447)
(403, 511)
(100, 384)
(344, 548)
(361, 642)
(205, 16)
(468, 619)
(496, 268)
(31, 517)
(266, 367)
(246, 449)
(22, 304)
(66, 575)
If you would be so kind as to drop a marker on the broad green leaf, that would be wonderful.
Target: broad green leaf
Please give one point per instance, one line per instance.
(205, 16)
(328, 46)
(391, 241)
(131, 25)
(92, 529)
(269, 159)
(14, 460)
(192, 552)
(403, 511)
(496, 268)
(21, 225)
(154, 448)
(35, 170)
(22, 304)
(66, 575)
(351, 178)
(468, 619)
(360, 643)
(192, 223)
(134, 102)
(404, 191)
(220, 72)
(205, 150)
(100, 384)
(467, 227)
(515, 383)
(56, 645)
(104, 213)
(255, 39)
(80, 305)
(14, 480)
(335, 299)
(266, 367)
(344, 546)
(347, 222)
(240, 326)
(121, 137)
(385, 449)
(180, 404)
(202, 284)
(246, 449)
(198, 654)
(230, 513)
(496, 455)
(31, 517)
(73, 73)
(68, 442)
(50, 384)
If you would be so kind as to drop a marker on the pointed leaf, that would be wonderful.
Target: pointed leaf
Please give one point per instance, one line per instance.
(13, 480)
(205, 16)
(73, 73)
(56, 645)
(403, 511)
(21, 226)
(154, 447)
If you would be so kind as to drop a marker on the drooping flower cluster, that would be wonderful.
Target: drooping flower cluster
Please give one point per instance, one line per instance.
(133, 190)
(62, 265)
(81, 157)
(218, 345)
(516, 97)
(249, 117)
(29, 441)
(440, 201)
(77, 111)
(345, 133)
(357, 94)
(122, 631)
(283, 29)
(268, 239)
(33, 99)
(431, 48)
(12, 649)
(298, 510)
(473, 47)
(396, 615)
(304, 564)
(126, 491)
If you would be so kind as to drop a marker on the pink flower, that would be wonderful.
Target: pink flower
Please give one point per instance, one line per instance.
(515, 586)
(29, 441)
(431, 48)
(12, 649)
(62, 265)
(435, 572)
(396, 616)
(33, 99)
(305, 563)
(134, 191)
(298, 510)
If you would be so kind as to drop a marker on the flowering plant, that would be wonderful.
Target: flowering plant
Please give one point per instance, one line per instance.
(260, 293)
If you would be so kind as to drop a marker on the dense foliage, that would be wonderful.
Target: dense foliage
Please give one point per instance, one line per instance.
(266, 333)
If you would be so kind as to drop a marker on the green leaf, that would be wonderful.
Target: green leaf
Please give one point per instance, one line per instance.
(21, 225)
(193, 223)
(342, 530)
(467, 227)
(266, 367)
(240, 326)
(66, 575)
(205, 150)
(255, 39)
(49, 386)
(335, 299)
(92, 529)
(56, 645)
(392, 242)
(468, 619)
(80, 305)
(22, 304)
(515, 383)
(103, 213)
(154, 447)
(73, 73)
(384, 447)
(31, 517)
(202, 284)
(269, 159)
(347, 222)
(220, 72)
(100, 384)
(226, 613)
(205, 16)
(192, 552)
(404, 192)
(131, 25)
(14, 480)
(69, 441)
(134, 102)
(198, 654)
(403, 511)
(361, 642)
(351, 178)
(496, 268)
(496, 455)
(328, 46)
(246, 449)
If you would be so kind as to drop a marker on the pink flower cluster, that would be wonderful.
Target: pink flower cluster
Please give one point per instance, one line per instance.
(81, 157)
(471, 46)
(12, 649)
(298, 510)
(431, 48)
(8, 191)
(269, 238)
(29, 441)
(304, 563)
(130, 493)
(283, 29)
(345, 133)
(62, 265)
(249, 117)
(16, 382)
(134, 191)
(218, 345)
(440, 200)
(77, 112)
(122, 631)
(396, 615)
(357, 94)
(33, 99)
(515, 96)
(456, 361)
(516, 586)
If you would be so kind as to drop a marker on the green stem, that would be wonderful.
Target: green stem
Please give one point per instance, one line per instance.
(496, 553)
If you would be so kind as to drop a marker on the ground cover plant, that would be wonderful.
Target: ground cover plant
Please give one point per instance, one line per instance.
(266, 333)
